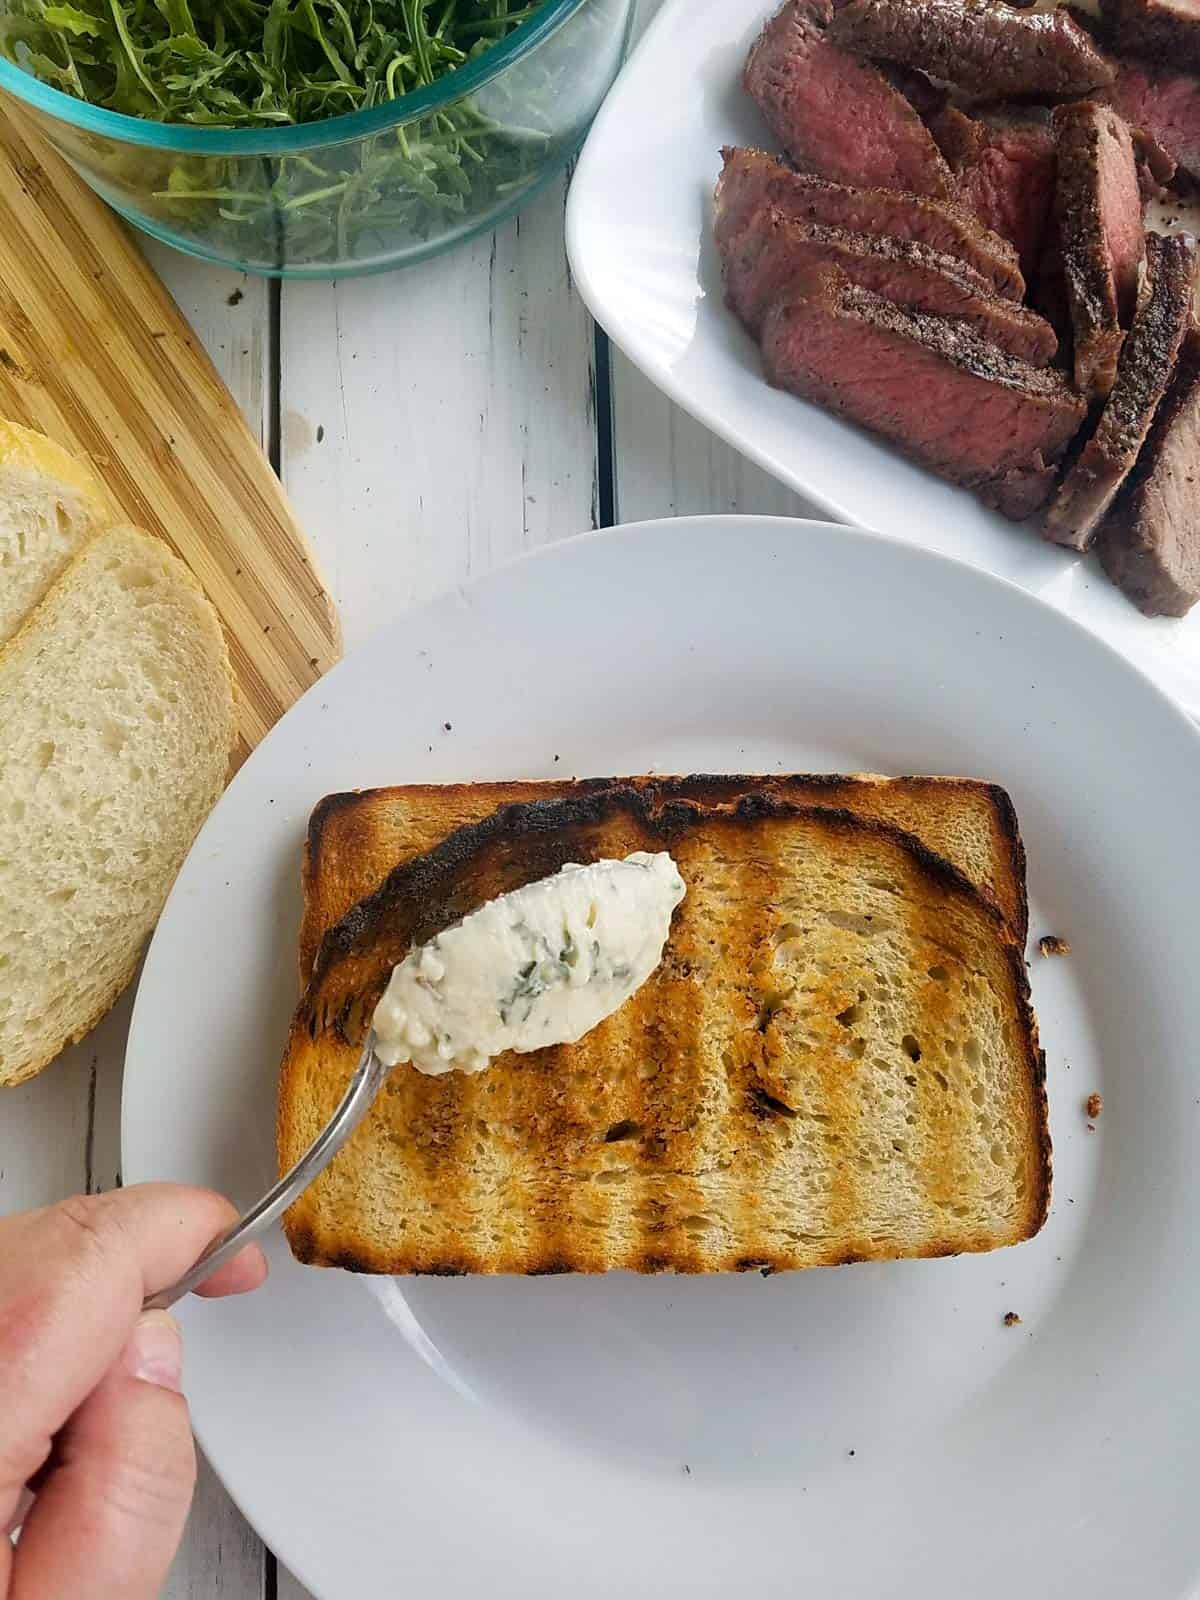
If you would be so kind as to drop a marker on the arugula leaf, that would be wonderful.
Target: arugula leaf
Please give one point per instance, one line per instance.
(69, 19)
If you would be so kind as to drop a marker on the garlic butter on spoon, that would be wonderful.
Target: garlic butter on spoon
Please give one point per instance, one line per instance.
(539, 966)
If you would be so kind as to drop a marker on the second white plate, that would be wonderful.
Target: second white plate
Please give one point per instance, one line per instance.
(640, 246)
(848, 1434)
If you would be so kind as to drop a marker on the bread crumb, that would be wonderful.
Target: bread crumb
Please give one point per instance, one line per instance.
(1094, 1105)
(1011, 1319)
(1051, 945)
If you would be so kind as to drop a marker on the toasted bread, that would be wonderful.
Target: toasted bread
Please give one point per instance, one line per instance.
(355, 839)
(836, 1061)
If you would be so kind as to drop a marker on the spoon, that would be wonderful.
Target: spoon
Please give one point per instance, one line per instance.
(364, 1085)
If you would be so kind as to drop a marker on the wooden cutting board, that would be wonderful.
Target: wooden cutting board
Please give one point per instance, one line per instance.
(95, 353)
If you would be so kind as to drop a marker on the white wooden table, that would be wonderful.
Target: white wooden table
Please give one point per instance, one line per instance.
(428, 425)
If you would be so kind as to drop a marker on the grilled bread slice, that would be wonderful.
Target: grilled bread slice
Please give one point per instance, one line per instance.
(836, 1061)
(354, 840)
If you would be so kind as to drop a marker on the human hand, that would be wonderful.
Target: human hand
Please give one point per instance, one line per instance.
(91, 1414)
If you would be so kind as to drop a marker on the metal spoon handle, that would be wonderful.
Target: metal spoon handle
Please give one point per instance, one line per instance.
(360, 1092)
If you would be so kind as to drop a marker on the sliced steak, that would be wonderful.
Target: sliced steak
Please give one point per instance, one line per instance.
(1098, 214)
(751, 180)
(1005, 164)
(1163, 30)
(931, 385)
(1149, 543)
(1144, 371)
(768, 255)
(987, 49)
(925, 96)
(1135, 91)
(1165, 104)
(1155, 166)
(1050, 300)
(835, 114)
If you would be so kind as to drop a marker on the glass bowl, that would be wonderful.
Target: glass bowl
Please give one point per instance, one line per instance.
(361, 192)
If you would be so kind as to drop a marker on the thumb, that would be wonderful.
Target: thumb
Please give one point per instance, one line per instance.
(113, 1501)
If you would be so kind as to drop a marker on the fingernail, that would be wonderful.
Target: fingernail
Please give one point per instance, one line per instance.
(16, 1521)
(155, 1351)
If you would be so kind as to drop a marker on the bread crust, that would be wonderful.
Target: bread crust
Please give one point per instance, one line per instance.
(78, 1031)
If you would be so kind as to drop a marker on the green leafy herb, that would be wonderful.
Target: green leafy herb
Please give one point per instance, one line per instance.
(529, 985)
(252, 63)
(551, 967)
(255, 64)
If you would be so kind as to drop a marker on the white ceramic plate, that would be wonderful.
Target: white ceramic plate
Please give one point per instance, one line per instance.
(640, 247)
(868, 1431)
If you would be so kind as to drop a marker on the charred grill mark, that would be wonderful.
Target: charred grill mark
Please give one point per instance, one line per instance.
(667, 1026)
(837, 1094)
(347, 1023)
(349, 1261)
(341, 856)
(583, 1092)
(751, 941)
(300, 1239)
(561, 1109)
(555, 1267)
(648, 1263)
(941, 1115)
(765, 1104)
(619, 1131)
(763, 1264)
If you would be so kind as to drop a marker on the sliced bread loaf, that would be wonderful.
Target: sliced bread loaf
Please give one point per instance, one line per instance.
(116, 723)
(50, 505)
